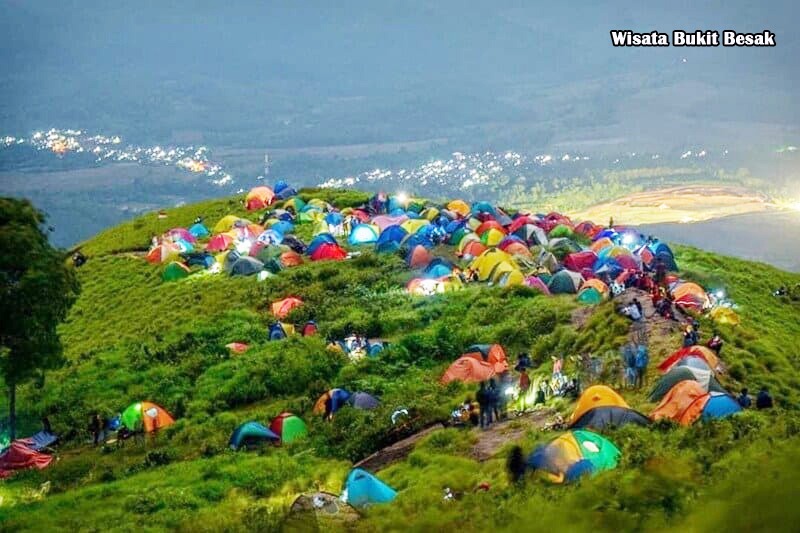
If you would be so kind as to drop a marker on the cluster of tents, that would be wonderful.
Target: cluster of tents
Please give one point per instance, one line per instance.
(688, 389)
(547, 252)
(581, 451)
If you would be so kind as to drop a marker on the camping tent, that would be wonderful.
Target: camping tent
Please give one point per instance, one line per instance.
(288, 427)
(328, 252)
(468, 370)
(684, 373)
(163, 252)
(724, 315)
(282, 308)
(363, 400)
(491, 353)
(145, 416)
(175, 271)
(574, 454)
(331, 401)
(199, 231)
(19, 457)
(246, 266)
(363, 234)
(597, 396)
(219, 243)
(250, 434)
(700, 352)
(259, 198)
(362, 488)
(686, 402)
(565, 282)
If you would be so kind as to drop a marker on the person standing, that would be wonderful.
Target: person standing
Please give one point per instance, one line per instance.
(524, 388)
(482, 397)
(642, 360)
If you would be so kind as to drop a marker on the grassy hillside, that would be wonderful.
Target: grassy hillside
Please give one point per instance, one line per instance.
(133, 337)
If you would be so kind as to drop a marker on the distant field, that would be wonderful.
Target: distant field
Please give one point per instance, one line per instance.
(691, 203)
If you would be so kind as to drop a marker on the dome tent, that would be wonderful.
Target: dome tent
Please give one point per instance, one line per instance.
(251, 434)
(145, 416)
(288, 427)
(362, 488)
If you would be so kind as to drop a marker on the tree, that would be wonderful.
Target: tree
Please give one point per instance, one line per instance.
(37, 288)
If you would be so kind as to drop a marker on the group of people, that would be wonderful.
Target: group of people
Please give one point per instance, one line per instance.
(636, 359)
(763, 399)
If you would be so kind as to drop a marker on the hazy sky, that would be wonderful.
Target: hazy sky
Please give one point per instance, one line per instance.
(290, 70)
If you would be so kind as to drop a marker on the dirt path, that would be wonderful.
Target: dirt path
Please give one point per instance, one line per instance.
(491, 440)
(396, 452)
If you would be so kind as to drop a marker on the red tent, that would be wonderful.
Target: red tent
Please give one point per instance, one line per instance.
(521, 221)
(329, 251)
(490, 224)
(20, 457)
(580, 260)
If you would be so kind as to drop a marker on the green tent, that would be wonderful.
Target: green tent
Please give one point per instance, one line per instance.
(175, 271)
(561, 231)
(590, 296)
(289, 427)
(597, 449)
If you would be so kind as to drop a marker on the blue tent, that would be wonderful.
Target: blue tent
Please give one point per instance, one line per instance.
(608, 232)
(199, 231)
(438, 267)
(362, 400)
(270, 236)
(720, 405)
(283, 227)
(390, 238)
(203, 259)
(334, 219)
(276, 332)
(319, 240)
(416, 239)
(482, 207)
(362, 234)
(362, 488)
(251, 433)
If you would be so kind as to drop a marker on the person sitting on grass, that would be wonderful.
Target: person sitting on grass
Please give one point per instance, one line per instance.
(763, 400)
(744, 399)
(715, 343)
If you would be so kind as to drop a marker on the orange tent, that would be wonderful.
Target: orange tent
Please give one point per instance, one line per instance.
(597, 396)
(599, 244)
(282, 308)
(491, 353)
(419, 257)
(597, 284)
(683, 403)
(490, 224)
(468, 370)
(702, 352)
(291, 259)
(259, 198)
(162, 252)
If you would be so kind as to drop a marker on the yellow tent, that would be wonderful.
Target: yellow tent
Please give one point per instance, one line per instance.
(725, 315)
(459, 206)
(596, 396)
(413, 225)
(492, 237)
(485, 263)
(466, 239)
(227, 222)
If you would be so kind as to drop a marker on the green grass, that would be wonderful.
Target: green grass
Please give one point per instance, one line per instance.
(132, 337)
